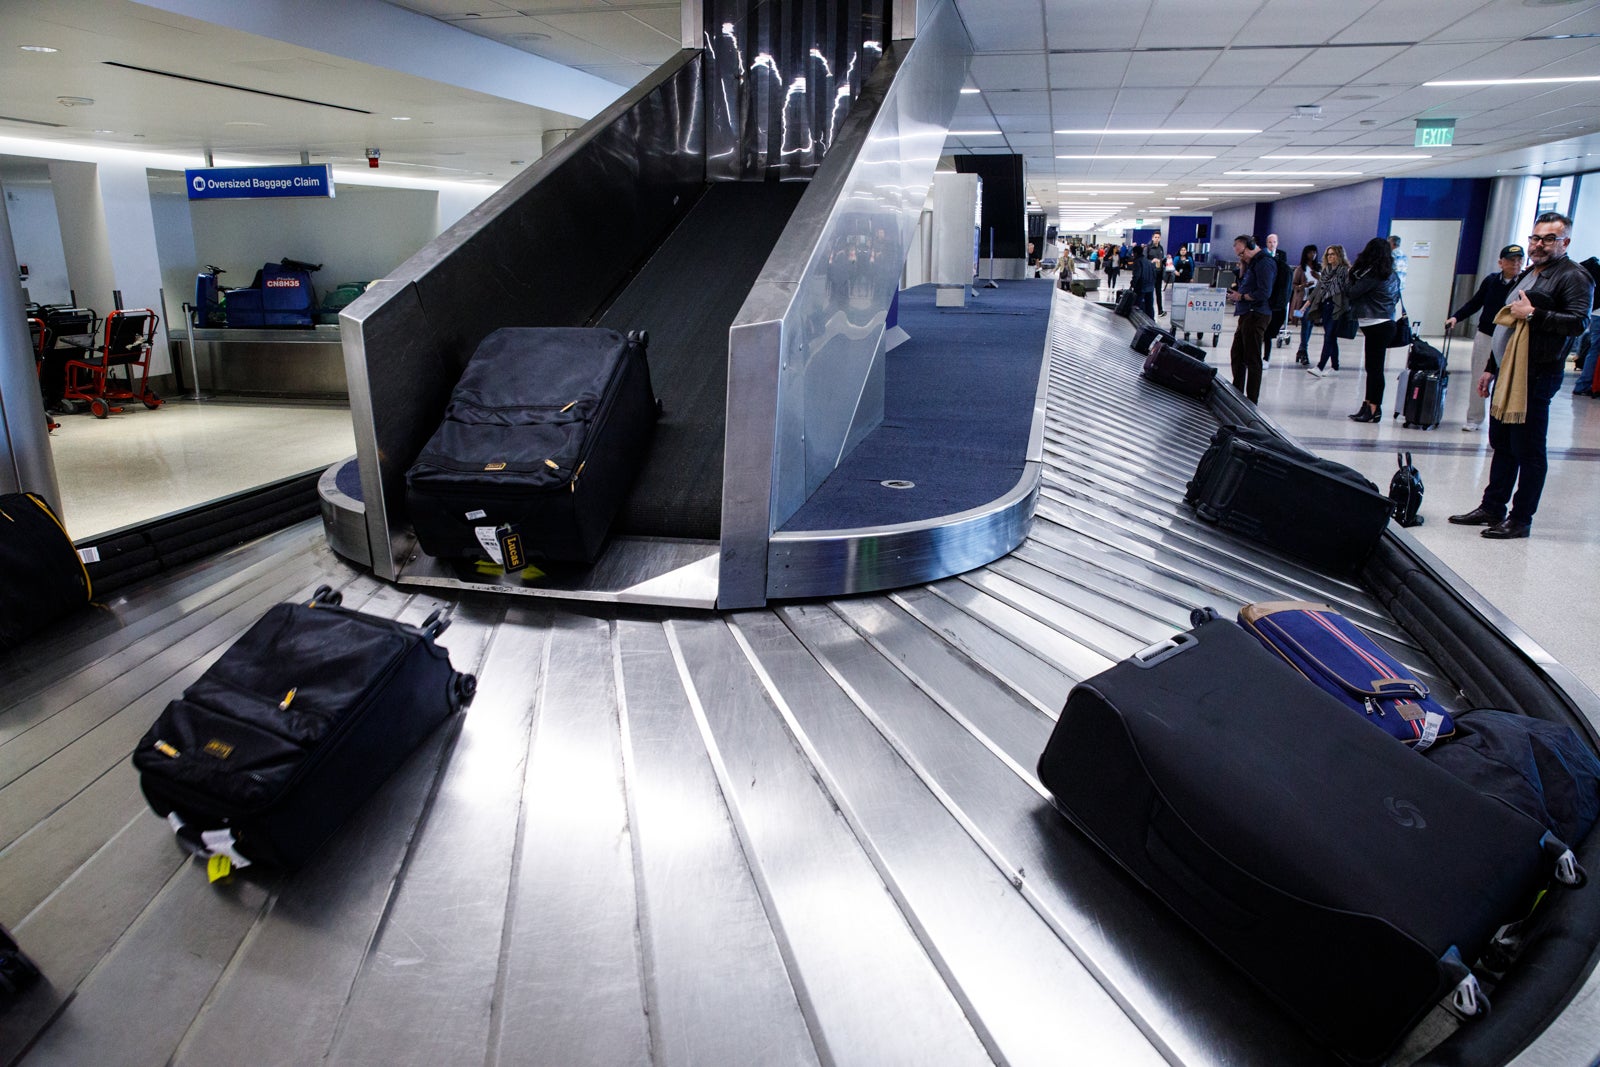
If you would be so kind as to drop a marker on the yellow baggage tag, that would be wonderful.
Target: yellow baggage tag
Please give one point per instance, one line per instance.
(218, 868)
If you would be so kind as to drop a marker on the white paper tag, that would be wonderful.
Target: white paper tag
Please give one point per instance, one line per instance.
(89, 555)
(490, 543)
(479, 514)
(1430, 730)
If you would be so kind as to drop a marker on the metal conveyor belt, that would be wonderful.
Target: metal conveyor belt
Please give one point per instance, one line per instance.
(809, 834)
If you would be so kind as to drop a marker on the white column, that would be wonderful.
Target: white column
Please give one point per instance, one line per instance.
(108, 232)
(25, 460)
(1513, 204)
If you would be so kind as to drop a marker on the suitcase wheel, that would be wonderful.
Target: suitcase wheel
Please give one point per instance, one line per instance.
(326, 596)
(464, 688)
(436, 623)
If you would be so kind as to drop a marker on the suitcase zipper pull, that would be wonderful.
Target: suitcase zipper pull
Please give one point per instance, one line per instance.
(165, 749)
(572, 486)
(569, 406)
(1374, 708)
(288, 698)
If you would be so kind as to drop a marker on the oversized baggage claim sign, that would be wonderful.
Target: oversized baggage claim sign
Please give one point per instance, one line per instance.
(249, 183)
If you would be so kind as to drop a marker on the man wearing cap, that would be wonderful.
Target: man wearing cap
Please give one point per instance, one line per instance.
(1487, 302)
(1533, 333)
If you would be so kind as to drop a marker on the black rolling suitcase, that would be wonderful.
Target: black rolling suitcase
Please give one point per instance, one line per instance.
(1148, 335)
(44, 578)
(1256, 484)
(1125, 302)
(538, 448)
(1424, 400)
(1174, 368)
(1350, 879)
(297, 723)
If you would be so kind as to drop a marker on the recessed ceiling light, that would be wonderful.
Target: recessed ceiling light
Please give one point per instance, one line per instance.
(75, 101)
(1107, 185)
(1135, 132)
(969, 91)
(43, 49)
(1514, 81)
(400, 118)
(1295, 173)
(239, 122)
(974, 133)
(1146, 155)
(105, 131)
(1334, 155)
(1256, 185)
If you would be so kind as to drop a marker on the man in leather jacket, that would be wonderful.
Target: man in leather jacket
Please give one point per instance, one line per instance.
(1563, 292)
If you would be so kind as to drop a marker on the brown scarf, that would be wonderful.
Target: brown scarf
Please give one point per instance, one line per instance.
(1510, 403)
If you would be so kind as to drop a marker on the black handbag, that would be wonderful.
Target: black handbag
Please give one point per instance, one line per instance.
(1402, 335)
(1346, 327)
(1405, 489)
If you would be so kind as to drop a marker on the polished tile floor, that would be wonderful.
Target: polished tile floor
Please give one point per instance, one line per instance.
(1547, 583)
(141, 464)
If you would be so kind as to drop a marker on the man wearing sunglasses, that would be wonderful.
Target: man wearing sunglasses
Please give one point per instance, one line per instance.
(1549, 306)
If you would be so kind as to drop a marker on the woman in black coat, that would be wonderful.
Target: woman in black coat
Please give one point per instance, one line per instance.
(1373, 292)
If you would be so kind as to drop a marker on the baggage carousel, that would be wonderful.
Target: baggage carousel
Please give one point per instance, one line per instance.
(809, 833)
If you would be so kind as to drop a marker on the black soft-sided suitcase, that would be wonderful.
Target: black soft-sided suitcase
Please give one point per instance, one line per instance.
(1190, 348)
(1125, 302)
(44, 578)
(1424, 402)
(1256, 484)
(1148, 335)
(297, 723)
(1177, 370)
(543, 434)
(1353, 881)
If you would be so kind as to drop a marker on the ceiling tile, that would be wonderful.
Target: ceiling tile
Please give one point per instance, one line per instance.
(1300, 21)
(1133, 101)
(1338, 66)
(1071, 102)
(1507, 20)
(1179, 23)
(1003, 25)
(1222, 100)
(617, 32)
(1019, 103)
(1009, 72)
(1088, 69)
(1070, 26)
(1254, 66)
(1402, 20)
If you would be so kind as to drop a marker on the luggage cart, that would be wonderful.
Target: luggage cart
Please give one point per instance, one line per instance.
(126, 342)
(39, 336)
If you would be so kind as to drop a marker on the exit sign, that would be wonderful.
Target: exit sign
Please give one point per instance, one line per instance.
(1435, 133)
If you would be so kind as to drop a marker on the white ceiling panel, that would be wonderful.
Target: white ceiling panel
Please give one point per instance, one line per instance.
(1507, 20)
(1022, 141)
(1019, 103)
(665, 18)
(1221, 100)
(1010, 72)
(1518, 59)
(1086, 69)
(1135, 101)
(1072, 102)
(1252, 66)
(1300, 21)
(1003, 25)
(1076, 25)
(1425, 62)
(1022, 124)
(1182, 23)
(619, 33)
(1405, 20)
(1337, 66)
(1166, 70)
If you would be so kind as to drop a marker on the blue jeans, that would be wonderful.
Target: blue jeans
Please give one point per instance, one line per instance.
(1305, 333)
(1590, 345)
(1330, 339)
(1519, 458)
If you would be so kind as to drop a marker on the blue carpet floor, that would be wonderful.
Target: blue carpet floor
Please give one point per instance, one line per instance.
(957, 410)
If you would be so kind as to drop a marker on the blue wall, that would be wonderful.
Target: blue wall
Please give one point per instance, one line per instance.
(1348, 215)
(1440, 198)
(1181, 231)
(1230, 222)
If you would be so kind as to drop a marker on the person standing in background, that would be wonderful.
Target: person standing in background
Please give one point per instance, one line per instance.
(1157, 254)
(1330, 300)
(1142, 280)
(1305, 282)
(1112, 264)
(1374, 291)
(1533, 333)
(1250, 299)
(1183, 266)
(1487, 301)
(1401, 260)
(1589, 344)
(1279, 302)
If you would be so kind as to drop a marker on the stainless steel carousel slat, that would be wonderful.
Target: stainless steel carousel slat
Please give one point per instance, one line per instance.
(1068, 451)
(134, 1006)
(1106, 641)
(571, 985)
(1014, 729)
(122, 621)
(1180, 996)
(1150, 600)
(1041, 683)
(1072, 657)
(1004, 965)
(1114, 608)
(426, 989)
(855, 964)
(719, 991)
(119, 671)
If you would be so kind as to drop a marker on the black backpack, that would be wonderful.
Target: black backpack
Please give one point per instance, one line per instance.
(1405, 489)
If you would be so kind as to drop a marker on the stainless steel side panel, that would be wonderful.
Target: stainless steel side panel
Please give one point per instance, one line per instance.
(543, 251)
(25, 461)
(803, 346)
